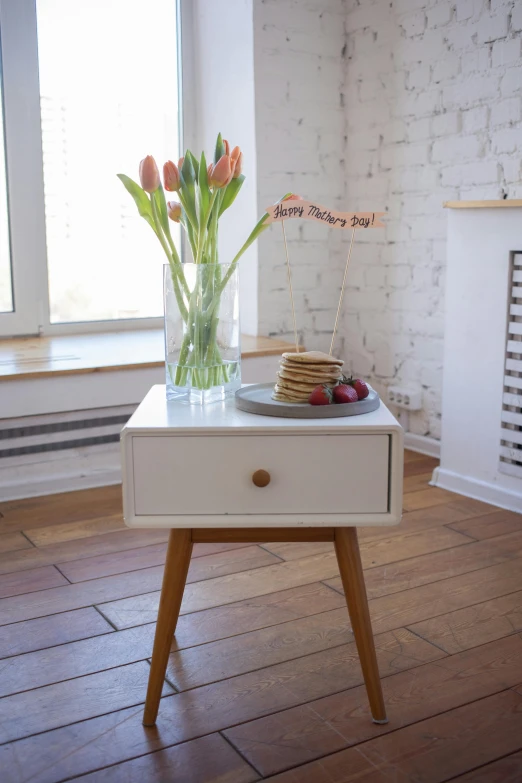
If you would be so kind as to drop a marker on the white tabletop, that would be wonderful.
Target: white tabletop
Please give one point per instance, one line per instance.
(156, 413)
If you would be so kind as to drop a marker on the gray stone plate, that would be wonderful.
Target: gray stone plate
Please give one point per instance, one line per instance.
(257, 398)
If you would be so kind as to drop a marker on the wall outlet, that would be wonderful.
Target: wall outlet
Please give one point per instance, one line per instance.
(408, 397)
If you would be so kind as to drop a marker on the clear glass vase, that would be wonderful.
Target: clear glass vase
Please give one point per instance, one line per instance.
(202, 335)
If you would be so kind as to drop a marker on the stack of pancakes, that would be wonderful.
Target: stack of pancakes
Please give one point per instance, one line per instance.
(300, 373)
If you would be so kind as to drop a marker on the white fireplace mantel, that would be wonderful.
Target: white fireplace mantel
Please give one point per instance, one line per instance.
(482, 238)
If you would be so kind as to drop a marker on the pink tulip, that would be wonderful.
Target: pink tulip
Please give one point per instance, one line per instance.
(221, 173)
(293, 197)
(174, 211)
(227, 147)
(180, 163)
(238, 165)
(171, 178)
(149, 174)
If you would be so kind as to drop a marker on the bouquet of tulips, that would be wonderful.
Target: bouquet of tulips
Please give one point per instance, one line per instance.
(204, 192)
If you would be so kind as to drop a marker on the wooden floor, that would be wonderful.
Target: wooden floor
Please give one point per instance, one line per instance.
(263, 679)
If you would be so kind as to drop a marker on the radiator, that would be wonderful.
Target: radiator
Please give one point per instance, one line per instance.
(60, 452)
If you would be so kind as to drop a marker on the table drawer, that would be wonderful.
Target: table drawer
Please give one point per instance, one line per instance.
(212, 475)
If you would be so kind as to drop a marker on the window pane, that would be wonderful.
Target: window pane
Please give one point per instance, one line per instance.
(108, 84)
(6, 293)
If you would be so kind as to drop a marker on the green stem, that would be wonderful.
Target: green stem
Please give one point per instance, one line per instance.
(199, 347)
(178, 264)
(174, 271)
(188, 339)
(184, 205)
(203, 225)
(260, 227)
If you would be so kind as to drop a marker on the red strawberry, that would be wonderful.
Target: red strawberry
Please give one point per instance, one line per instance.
(361, 388)
(344, 393)
(321, 395)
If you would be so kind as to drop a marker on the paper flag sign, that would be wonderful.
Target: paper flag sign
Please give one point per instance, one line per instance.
(309, 210)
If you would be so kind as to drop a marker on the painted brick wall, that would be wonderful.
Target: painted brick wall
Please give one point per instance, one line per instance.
(434, 107)
(300, 130)
(383, 104)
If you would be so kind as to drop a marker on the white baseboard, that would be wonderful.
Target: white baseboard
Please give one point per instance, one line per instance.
(479, 490)
(64, 471)
(422, 444)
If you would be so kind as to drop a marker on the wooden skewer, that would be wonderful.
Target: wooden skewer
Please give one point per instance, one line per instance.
(342, 292)
(290, 287)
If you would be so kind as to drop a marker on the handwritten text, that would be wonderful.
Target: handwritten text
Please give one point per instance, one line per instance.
(308, 210)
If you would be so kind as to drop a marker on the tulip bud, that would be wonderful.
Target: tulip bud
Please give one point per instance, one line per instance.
(293, 197)
(149, 174)
(238, 165)
(180, 163)
(221, 173)
(171, 178)
(174, 211)
(227, 147)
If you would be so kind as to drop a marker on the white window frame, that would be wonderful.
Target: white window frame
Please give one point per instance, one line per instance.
(25, 184)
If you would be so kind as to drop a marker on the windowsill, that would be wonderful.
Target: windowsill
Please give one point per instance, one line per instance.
(25, 358)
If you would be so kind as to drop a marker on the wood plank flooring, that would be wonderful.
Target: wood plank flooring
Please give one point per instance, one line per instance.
(263, 681)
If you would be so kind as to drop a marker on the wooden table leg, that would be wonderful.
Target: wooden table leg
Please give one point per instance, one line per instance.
(349, 559)
(174, 578)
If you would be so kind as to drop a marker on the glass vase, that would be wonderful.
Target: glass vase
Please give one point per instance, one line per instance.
(202, 335)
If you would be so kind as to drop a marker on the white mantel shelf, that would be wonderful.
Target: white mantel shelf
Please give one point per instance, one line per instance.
(491, 204)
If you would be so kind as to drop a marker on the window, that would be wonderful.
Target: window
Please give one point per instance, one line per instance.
(100, 79)
(6, 294)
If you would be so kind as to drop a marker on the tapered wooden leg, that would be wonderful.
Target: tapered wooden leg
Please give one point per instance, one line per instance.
(349, 559)
(174, 578)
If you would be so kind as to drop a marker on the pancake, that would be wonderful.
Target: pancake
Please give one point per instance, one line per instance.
(282, 398)
(313, 358)
(309, 376)
(300, 373)
(283, 395)
(284, 383)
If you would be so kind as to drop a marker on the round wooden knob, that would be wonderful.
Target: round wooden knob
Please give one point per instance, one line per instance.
(261, 478)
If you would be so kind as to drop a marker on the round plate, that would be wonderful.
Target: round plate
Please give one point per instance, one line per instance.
(257, 398)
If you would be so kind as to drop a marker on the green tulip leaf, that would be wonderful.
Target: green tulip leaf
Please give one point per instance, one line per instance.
(220, 148)
(188, 179)
(161, 205)
(258, 229)
(204, 191)
(231, 191)
(190, 232)
(195, 164)
(187, 170)
(140, 197)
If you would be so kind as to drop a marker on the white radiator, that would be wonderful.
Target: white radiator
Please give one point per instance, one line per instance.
(58, 452)
(511, 429)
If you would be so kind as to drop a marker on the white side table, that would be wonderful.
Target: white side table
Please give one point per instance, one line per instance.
(215, 474)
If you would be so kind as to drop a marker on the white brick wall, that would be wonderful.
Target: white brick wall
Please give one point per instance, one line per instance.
(398, 106)
(448, 123)
(300, 129)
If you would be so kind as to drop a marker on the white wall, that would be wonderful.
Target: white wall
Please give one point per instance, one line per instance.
(379, 105)
(300, 127)
(434, 101)
(219, 94)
